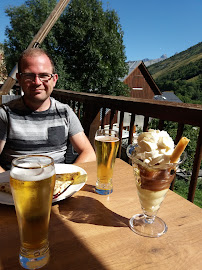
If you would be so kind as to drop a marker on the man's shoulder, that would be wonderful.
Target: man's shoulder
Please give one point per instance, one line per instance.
(8, 107)
(16, 104)
(59, 105)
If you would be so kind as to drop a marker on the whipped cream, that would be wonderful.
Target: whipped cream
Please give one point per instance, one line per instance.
(154, 147)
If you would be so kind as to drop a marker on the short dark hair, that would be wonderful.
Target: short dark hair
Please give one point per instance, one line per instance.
(34, 52)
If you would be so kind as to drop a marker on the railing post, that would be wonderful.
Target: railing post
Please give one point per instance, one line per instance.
(146, 123)
(91, 120)
(120, 132)
(196, 167)
(177, 138)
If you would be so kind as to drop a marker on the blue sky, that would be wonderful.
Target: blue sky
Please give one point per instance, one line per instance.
(151, 27)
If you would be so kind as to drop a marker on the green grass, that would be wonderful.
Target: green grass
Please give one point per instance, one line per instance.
(181, 187)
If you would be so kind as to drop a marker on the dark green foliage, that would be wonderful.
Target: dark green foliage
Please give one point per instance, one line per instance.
(94, 49)
(181, 188)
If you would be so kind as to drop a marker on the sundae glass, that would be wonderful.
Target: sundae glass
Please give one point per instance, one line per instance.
(154, 172)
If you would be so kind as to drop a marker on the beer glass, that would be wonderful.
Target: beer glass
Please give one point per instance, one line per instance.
(32, 180)
(106, 146)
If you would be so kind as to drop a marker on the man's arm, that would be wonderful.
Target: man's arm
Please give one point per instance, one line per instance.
(2, 143)
(83, 147)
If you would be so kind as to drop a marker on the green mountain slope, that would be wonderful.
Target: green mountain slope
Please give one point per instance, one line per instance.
(182, 74)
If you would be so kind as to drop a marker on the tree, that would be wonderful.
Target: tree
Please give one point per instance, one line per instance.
(86, 44)
(3, 72)
(25, 21)
(94, 47)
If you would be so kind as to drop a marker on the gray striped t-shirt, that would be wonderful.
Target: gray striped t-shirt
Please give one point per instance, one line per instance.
(30, 132)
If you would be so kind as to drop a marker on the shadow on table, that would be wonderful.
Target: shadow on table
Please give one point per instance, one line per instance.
(89, 188)
(9, 238)
(66, 250)
(83, 209)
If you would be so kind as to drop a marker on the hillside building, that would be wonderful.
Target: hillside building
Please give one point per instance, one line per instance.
(140, 81)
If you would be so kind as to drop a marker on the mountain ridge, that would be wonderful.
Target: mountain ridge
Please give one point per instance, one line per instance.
(149, 62)
(182, 74)
(176, 61)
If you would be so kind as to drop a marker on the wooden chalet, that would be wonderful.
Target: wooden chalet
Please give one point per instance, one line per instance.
(140, 81)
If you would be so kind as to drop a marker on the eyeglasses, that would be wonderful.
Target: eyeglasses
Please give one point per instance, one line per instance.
(43, 77)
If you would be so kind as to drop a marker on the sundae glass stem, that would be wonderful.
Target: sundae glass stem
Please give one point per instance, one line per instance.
(148, 219)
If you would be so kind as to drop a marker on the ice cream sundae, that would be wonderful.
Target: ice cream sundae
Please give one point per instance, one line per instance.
(155, 160)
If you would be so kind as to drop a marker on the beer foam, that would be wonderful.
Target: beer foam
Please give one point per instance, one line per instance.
(106, 139)
(26, 174)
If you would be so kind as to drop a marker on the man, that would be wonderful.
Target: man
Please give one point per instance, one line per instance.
(36, 123)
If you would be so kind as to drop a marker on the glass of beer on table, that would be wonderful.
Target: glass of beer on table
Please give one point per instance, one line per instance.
(32, 180)
(106, 146)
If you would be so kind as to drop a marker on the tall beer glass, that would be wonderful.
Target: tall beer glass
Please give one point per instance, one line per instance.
(106, 145)
(32, 181)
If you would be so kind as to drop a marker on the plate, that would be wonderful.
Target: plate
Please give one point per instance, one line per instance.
(6, 198)
(69, 168)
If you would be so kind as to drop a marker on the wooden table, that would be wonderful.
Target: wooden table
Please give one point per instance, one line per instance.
(90, 231)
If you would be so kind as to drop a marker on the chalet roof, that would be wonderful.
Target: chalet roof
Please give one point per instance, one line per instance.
(131, 65)
(168, 96)
(140, 64)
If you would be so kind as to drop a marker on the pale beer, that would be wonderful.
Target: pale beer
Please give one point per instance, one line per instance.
(32, 188)
(106, 152)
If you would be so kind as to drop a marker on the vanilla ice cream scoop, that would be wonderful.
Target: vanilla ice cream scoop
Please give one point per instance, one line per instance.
(154, 147)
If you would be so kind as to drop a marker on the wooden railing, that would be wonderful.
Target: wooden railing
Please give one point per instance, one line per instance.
(88, 106)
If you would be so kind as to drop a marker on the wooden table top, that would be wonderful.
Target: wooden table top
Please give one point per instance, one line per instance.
(90, 231)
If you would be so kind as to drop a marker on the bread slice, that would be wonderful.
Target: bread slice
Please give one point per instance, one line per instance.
(61, 184)
(63, 181)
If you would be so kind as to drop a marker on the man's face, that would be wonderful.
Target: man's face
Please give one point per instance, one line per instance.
(35, 90)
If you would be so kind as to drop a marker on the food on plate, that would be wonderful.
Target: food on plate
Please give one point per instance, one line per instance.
(62, 182)
(5, 187)
(153, 168)
(71, 177)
